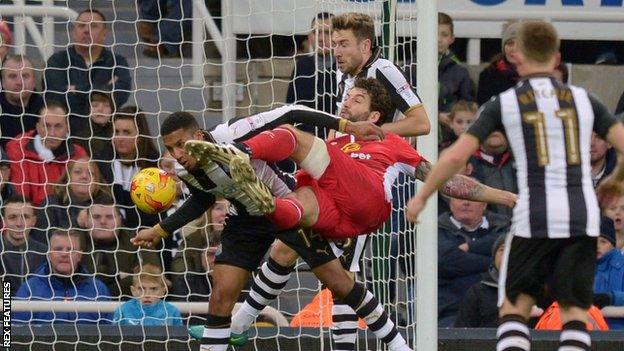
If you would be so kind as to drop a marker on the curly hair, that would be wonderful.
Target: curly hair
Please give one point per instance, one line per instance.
(379, 97)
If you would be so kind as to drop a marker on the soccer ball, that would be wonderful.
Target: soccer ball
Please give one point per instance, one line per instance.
(152, 190)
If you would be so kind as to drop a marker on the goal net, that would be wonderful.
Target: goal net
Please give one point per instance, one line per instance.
(153, 65)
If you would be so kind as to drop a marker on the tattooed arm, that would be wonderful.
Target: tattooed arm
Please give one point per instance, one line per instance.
(462, 187)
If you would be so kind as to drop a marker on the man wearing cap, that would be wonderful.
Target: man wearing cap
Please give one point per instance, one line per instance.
(609, 280)
(501, 74)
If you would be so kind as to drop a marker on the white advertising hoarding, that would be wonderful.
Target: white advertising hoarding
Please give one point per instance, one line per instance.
(575, 19)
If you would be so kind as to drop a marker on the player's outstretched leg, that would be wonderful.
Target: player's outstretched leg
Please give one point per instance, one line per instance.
(267, 286)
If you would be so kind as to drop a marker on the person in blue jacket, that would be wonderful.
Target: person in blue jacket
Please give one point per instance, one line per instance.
(148, 307)
(63, 278)
(609, 280)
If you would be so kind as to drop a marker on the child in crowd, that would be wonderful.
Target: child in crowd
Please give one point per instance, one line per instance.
(149, 287)
(461, 117)
(101, 114)
(615, 211)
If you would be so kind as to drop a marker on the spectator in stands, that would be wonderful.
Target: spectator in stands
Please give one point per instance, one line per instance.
(19, 102)
(39, 156)
(7, 39)
(313, 81)
(20, 255)
(501, 74)
(149, 287)
(609, 280)
(202, 234)
(455, 83)
(561, 72)
(87, 65)
(109, 253)
(196, 285)
(620, 105)
(101, 123)
(7, 190)
(465, 238)
(164, 23)
(63, 278)
(615, 211)
(75, 191)
(603, 159)
(479, 309)
(493, 165)
(460, 118)
(134, 150)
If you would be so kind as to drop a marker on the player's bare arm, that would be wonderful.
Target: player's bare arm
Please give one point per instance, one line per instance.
(448, 165)
(415, 123)
(462, 187)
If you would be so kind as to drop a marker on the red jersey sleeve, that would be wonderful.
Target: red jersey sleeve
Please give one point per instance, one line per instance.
(404, 152)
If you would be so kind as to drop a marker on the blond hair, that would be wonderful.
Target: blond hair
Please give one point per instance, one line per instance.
(149, 272)
(360, 24)
(538, 41)
(463, 106)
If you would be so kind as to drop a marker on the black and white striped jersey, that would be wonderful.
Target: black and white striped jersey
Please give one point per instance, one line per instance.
(549, 127)
(390, 75)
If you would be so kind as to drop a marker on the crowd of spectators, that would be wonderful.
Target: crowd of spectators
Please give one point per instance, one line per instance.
(67, 156)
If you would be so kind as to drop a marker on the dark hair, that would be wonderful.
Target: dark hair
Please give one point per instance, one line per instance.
(565, 74)
(444, 19)
(321, 16)
(178, 120)
(94, 11)
(361, 24)
(16, 199)
(147, 153)
(380, 99)
(49, 103)
(98, 95)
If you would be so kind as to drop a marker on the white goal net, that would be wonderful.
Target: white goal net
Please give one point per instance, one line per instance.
(118, 79)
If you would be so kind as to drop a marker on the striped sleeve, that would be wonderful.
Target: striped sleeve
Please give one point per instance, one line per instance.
(488, 119)
(401, 92)
(603, 119)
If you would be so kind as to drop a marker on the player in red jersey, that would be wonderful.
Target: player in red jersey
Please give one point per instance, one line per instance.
(344, 187)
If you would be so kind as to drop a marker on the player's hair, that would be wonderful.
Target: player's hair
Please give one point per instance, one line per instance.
(463, 106)
(445, 19)
(49, 103)
(146, 149)
(379, 97)
(149, 272)
(178, 120)
(94, 11)
(538, 41)
(360, 24)
(321, 16)
(17, 199)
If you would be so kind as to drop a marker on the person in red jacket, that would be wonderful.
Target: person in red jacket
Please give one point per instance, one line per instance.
(39, 157)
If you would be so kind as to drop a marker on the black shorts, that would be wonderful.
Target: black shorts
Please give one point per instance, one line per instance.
(245, 241)
(562, 269)
(350, 251)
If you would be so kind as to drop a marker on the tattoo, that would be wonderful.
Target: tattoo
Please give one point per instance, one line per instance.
(422, 170)
(463, 187)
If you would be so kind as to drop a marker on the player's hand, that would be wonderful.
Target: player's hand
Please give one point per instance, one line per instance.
(414, 207)
(511, 200)
(364, 130)
(608, 191)
(147, 238)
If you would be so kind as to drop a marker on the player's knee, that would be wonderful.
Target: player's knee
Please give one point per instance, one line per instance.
(283, 255)
(338, 281)
(222, 299)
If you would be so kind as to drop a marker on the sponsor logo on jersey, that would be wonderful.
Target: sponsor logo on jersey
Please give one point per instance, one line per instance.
(405, 87)
(351, 147)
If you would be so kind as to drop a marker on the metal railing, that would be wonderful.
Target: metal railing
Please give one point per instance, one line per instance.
(23, 21)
